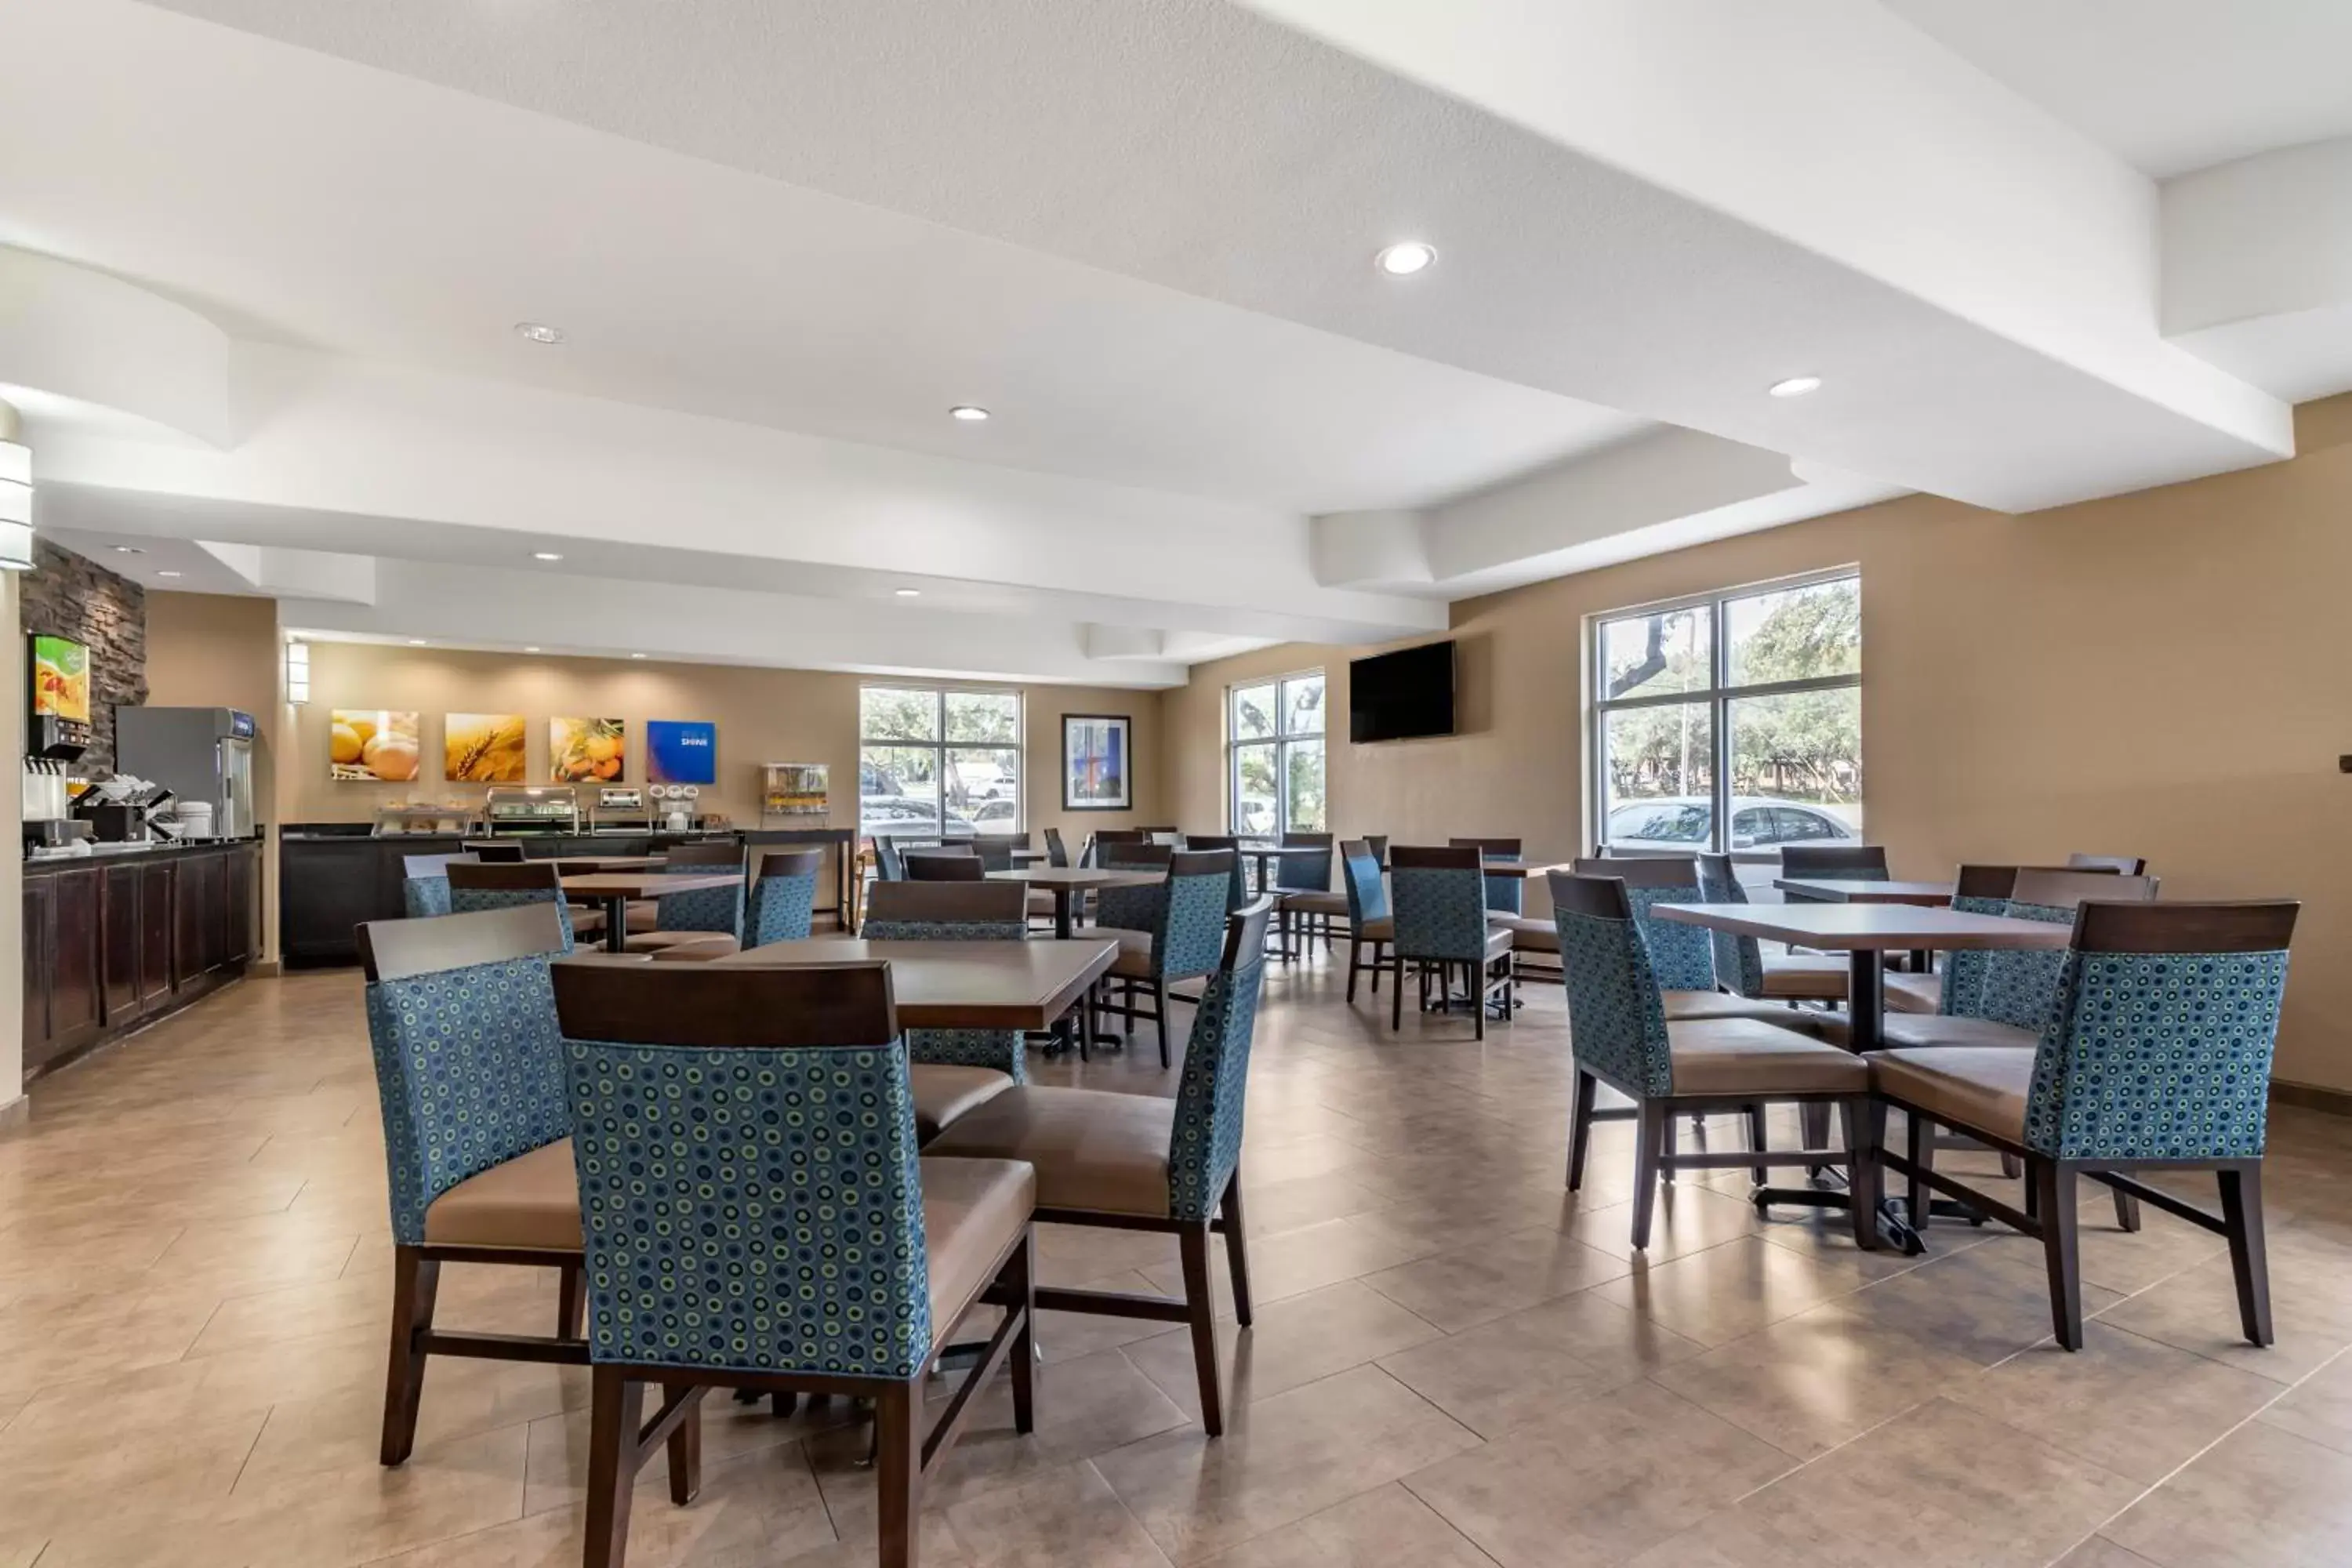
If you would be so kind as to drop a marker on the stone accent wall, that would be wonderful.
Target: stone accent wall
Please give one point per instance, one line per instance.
(70, 596)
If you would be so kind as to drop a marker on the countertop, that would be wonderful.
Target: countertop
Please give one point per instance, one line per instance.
(44, 857)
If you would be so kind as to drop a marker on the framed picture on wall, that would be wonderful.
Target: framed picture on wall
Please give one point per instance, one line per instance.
(372, 744)
(1098, 758)
(679, 752)
(483, 748)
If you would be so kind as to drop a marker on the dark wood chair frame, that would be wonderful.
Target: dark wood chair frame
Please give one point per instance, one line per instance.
(396, 950)
(1480, 979)
(831, 1004)
(1356, 938)
(1130, 988)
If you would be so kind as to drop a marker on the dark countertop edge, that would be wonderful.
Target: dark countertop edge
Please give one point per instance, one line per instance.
(301, 835)
(144, 852)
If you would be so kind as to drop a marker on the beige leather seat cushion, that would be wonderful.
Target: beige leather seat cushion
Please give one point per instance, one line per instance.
(1529, 933)
(1383, 929)
(1980, 1087)
(530, 1201)
(1040, 902)
(1134, 959)
(1913, 992)
(945, 1092)
(1805, 977)
(973, 1211)
(681, 945)
(587, 921)
(1093, 1149)
(1317, 904)
(1922, 1029)
(645, 914)
(1742, 1055)
(1685, 1006)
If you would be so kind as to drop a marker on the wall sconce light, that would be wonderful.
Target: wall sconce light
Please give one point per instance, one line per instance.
(298, 672)
(16, 507)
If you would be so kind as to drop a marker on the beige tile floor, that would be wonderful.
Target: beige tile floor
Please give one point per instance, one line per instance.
(1455, 1363)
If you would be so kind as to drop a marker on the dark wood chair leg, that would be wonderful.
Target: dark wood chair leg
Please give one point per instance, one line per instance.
(1580, 1127)
(1476, 986)
(616, 1410)
(2242, 1208)
(1396, 1000)
(898, 1472)
(1814, 1116)
(1649, 1140)
(2011, 1167)
(1355, 961)
(415, 1282)
(1236, 1249)
(1024, 1270)
(2126, 1209)
(1756, 1140)
(686, 1449)
(1919, 1145)
(1160, 998)
(1865, 1135)
(1669, 1139)
(571, 1300)
(1201, 1307)
(2061, 1248)
(1380, 961)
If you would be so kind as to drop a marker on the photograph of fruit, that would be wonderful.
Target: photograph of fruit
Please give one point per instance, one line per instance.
(585, 750)
(483, 748)
(61, 679)
(371, 744)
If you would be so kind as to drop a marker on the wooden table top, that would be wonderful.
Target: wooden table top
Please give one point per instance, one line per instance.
(1031, 857)
(647, 884)
(1845, 927)
(601, 863)
(1081, 877)
(1845, 891)
(961, 984)
(1524, 869)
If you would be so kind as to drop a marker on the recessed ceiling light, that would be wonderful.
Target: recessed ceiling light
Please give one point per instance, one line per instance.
(1405, 259)
(417, 642)
(909, 593)
(538, 332)
(1795, 386)
(129, 549)
(547, 555)
(534, 648)
(167, 573)
(968, 413)
(636, 656)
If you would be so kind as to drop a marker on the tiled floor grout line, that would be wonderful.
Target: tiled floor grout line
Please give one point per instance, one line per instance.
(251, 1448)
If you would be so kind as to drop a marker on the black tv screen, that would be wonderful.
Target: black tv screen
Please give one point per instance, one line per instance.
(1397, 695)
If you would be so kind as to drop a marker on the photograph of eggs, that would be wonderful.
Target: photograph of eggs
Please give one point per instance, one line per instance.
(484, 748)
(371, 744)
(585, 750)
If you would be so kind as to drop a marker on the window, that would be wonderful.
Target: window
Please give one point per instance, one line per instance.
(939, 761)
(1742, 708)
(1276, 755)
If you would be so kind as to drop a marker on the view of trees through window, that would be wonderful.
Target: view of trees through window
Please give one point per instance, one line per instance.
(1734, 722)
(1276, 756)
(939, 761)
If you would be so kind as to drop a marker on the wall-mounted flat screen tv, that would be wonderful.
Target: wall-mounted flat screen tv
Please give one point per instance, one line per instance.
(1401, 695)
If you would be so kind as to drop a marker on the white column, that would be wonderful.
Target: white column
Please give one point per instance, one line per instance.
(12, 1104)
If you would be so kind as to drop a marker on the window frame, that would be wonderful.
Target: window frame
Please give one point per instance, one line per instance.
(1279, 743)
(1718, 696)
(941, 747)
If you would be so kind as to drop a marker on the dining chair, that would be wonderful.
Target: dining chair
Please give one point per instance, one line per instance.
(706, 923)
(469, 1077)
(1058, 854)
(782, 906)
(1835, 862)
(1504, 895)
(995, 850)
(945, 864)
(889, 860)
(1238, 893)
(1368, 911)
(1303, 900)
(1619, 1035)
(1378, 843)
(2155, 1056)
(480, 884)
(424, 886)
(1438, 897)
(1174, 933)
(1683, 959)
(1740, 962)
(1141, 1161)
(499, 854)
(2124, 865)
(756, 1217)
(955, 1070)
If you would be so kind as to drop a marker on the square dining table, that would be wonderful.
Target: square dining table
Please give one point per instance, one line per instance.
(1860, 891)
(1008, 984)
(1066, 882)
(614, 889)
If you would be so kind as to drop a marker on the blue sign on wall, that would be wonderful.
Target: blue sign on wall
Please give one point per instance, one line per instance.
(681, 754)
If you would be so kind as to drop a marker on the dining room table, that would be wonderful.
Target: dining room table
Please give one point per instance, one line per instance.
(992, 984)
(614, 889)
(1067, 883)
(1863, 890)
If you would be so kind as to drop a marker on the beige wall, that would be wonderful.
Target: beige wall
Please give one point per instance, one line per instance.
(2159, 674)
(763, 715)
(217, 650)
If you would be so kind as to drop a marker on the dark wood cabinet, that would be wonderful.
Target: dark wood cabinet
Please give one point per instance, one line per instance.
(119, 942)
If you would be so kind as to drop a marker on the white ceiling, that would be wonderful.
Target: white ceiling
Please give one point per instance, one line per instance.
(785, 236)
(2168, 86)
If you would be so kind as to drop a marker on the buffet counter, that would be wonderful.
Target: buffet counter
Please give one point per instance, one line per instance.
(129, 934)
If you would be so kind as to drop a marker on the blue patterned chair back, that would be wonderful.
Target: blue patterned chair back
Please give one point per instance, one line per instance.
(1214, 1086)
(1368, 894)
(783, 900)
(468, 1069)
(1305, 873)
(2018, 986)
(425, 896)
(2159, 1044)
(1504, 895)
(1191, 931)
(1616, 1023)
(995, 850)
(1237, 887)
(888, 865)
(1682, 957)
(487, 885)
(1131, 909)
(956, 912)
(1980, 891)
(705, 909)
(1057, 853)
(1738, 960)
(749, 1197)
(1439, 902)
